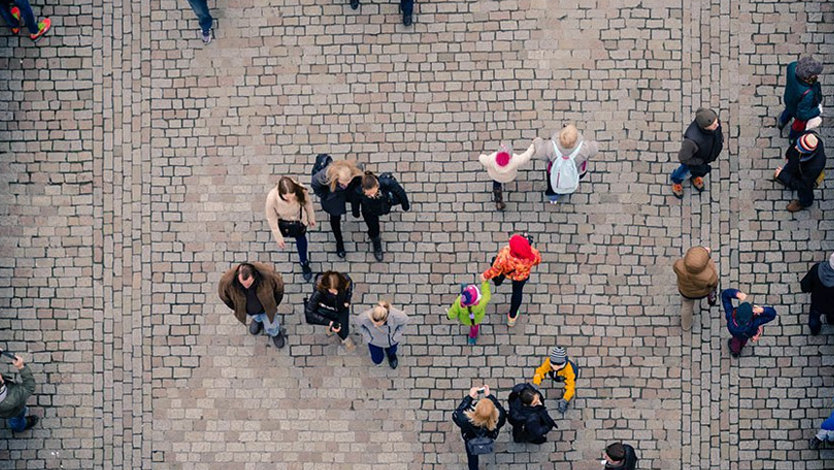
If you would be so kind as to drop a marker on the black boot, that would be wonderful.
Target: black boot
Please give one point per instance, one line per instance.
(340, 249)
(354, 4)
(377, 242)
(392, 361)
(306, 272)
(499, 199)
(279, 340)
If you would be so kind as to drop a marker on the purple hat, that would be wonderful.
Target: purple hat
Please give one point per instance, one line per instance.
(470, 295)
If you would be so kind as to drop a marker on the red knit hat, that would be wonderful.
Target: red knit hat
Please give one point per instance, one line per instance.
(520, 247)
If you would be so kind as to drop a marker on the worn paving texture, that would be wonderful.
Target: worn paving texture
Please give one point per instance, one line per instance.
(134, 163)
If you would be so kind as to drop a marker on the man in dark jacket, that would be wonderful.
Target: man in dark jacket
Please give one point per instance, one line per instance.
(620, 456)
(744, 322)
(819, 282)
(255, 290)
(377, 195)
(13, 398)
(528, 415)
(806, 161)
(702, 143)
(802, 97)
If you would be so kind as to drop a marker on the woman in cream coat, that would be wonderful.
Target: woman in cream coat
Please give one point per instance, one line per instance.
(289, 211)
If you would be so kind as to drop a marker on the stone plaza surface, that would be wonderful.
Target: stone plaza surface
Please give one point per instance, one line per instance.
(134, 164)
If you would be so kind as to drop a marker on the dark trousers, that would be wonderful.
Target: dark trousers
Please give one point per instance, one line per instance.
(372, 221)
(518, 291)
(805, 196)
(201, 9)
(407, 6)
(471, 460)
(301, 246)
(496, 186)
(814, 321)
(26, 14)
(736, 344)
(377, 353)
(796, 129)
(336, 227)
(343, 318)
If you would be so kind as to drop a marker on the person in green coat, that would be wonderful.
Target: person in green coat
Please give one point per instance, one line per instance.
(13, 398)
(470, 307)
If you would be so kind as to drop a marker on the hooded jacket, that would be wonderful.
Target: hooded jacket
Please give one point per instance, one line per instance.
(744, 331)
(819, 282)
(803, 175)
(17, 394)
(700, 146)
(801, 99)
(461, 314)
(270, 291)
(508, 172)
(629, 462)
(696, 273)
(534, 421)
(516, 269)
(387, 335)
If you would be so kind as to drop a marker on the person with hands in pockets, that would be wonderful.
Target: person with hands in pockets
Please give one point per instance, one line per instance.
(382, 328)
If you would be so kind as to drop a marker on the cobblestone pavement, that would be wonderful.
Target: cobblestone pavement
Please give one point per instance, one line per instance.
(134, 163)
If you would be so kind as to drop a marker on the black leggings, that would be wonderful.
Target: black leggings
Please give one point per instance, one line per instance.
(343, 318)
(336, 227)
(515, 301)
(471, 460)
(372, 221)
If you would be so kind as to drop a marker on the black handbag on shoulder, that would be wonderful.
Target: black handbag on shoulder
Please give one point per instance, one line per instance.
(292, 228)
(480, 445)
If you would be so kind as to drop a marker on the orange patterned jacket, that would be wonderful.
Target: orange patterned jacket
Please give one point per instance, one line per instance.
(516, 269)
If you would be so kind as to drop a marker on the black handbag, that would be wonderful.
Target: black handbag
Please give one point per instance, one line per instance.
(292, 228)
(480, 445)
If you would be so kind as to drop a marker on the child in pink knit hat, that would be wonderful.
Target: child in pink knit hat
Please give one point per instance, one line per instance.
(470, 307)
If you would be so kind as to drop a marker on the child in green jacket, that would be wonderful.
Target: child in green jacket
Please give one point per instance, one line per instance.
(470, 307)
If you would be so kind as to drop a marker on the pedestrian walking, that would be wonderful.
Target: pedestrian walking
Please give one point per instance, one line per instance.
(561, 370)
(702, 143)
(619, 456)
(289, 211)
(377, 196)
(825, 434)
(382, 328)
(514, 262)
(804, 169)
(479, 423)
(13, 396)
(406, 8)
(255, 290)
(568, 153)
(336, 185)
(329, 305)
(502, 166)
(528, 415)
(697, 279)
(802, 96)
(201, 9)
(745, 322)
(13, 11)
(819, 282)
(470, 308)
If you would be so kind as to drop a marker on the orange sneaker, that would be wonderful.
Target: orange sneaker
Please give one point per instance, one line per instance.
(16, 16)
(43, 27)
(698, 183)
(677, 190)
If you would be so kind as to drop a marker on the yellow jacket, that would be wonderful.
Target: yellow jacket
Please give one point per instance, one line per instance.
(565, 373)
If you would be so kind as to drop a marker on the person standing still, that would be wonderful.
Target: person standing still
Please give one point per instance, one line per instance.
(483, 419)
(819, 282)
(13, 398)
(697, 278)
(702, 144)
(382, 328)
(255, 290)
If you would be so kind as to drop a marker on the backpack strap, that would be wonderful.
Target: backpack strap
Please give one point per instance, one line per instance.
(572, 155)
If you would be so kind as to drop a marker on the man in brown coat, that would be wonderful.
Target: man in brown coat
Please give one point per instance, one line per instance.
(255, 290)
(697, 278)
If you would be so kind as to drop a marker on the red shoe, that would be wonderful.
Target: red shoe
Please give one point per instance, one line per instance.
(16, 16)
(677, 190)
(43, 27)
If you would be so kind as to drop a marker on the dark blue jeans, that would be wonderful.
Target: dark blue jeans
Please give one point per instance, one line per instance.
(301, 245)
(201, 9)
(683, 171)
(377, 353)
(407, 6)
(25, 13)
(18, 423)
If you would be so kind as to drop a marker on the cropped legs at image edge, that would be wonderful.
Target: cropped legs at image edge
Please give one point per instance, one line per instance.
(369, 237)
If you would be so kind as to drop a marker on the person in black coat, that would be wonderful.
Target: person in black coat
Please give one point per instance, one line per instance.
(336, 185)
(806, 161)
(819, 282)
(377, 196)
(330, 305)
(528, 415)
(619, 456)
(485, 419)
(702, 143)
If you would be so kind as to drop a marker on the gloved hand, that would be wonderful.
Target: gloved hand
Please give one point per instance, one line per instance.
(537, 379)
(563, 406)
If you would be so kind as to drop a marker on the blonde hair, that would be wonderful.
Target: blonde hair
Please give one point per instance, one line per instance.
(484, 415)
(568, 136)
(341, 168)
(380, 311)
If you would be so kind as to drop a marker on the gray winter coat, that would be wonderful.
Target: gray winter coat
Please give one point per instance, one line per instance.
(386, 335)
